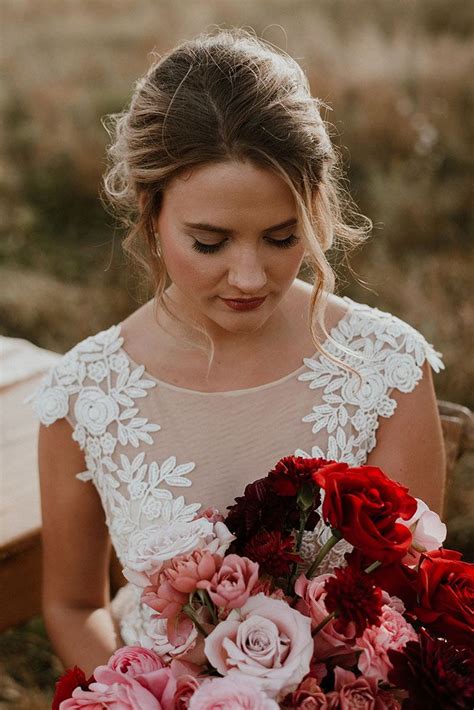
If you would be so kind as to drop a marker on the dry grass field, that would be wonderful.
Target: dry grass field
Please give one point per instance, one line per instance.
(397, 76)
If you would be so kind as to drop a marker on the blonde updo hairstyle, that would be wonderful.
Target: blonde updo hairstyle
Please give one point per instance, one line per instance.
(229, 95)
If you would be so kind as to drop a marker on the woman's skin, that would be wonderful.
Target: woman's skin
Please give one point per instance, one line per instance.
(247, 201)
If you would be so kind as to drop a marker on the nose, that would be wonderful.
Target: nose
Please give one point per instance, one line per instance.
(246, 273)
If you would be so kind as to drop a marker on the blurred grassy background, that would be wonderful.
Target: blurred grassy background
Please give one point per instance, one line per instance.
(397, 74)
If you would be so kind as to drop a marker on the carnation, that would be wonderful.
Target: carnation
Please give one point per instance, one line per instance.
(291, 472)
(393, 632)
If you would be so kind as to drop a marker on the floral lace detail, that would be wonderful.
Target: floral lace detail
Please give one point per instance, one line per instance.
(105, 417)
(391, 355)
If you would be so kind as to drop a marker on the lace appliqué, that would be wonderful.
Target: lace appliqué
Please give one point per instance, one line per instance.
(392, 355)
(105, 417)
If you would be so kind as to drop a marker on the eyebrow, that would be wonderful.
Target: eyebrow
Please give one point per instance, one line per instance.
(229, 232)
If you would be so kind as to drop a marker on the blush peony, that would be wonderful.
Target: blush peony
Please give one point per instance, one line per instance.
(122, 692)
(135, 660)
(267, 641)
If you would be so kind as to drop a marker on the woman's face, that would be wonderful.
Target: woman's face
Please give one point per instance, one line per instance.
(226, 231)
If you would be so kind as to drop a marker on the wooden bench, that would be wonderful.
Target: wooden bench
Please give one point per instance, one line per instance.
(20, 515)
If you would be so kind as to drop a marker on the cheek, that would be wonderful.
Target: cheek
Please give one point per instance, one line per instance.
(186, 269)
(287, 265)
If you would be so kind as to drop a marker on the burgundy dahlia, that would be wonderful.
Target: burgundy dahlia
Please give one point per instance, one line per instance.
(436, 674)
(353, 596)
(273, 552)
(260, 508)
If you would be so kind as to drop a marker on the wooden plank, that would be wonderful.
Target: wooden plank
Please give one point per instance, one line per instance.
(20, 512)
(20, 583)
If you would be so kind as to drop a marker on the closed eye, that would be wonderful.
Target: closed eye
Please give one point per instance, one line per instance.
(213, 248)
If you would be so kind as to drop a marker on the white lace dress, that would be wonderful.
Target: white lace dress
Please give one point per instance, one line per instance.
(158, 453)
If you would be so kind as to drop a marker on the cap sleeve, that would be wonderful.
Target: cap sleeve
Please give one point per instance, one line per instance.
(403, 352)
(51, 400)
(86, 365)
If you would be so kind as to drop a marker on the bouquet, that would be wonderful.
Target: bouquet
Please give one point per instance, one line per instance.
(325, 586)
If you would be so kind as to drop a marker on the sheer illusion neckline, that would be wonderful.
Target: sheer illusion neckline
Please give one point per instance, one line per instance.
(257, 388)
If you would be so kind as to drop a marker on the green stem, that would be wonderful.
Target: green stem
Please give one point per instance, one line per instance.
(299, 540)
(207, 601)
(335, 537)
(190, 612)
(323, 623)
(373, 566)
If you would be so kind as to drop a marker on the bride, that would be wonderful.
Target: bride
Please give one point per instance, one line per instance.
(228, 182)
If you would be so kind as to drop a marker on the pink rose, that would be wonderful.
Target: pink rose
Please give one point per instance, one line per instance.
(217, 693)
(135, 660)
(185, 689)
(428, 532)
(352, 692)
(328, 642)
(265, 640)
(155, 691)
(394, 633)
(307, 696)
(231, 585)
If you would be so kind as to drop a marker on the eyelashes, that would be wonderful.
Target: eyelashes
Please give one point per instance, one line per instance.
(213, 248)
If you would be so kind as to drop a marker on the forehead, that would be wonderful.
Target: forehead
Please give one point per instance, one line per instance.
(224, 191)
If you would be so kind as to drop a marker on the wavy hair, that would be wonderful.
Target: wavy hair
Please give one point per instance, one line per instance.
(230, 95)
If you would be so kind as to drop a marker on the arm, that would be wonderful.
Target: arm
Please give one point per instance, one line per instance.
(76, 549)
(410, 445)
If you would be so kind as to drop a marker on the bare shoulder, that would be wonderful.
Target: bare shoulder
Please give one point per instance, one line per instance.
(336, 308)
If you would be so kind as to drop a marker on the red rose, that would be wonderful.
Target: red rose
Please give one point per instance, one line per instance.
(70, 680)
(445, 587)
(363, 504)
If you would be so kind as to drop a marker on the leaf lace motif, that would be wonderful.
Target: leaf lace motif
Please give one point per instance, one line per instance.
(105, 416)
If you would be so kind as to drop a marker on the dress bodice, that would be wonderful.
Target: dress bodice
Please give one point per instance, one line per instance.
(157, 453)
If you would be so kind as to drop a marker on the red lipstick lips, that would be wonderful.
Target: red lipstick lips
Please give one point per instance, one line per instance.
(244, 304)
